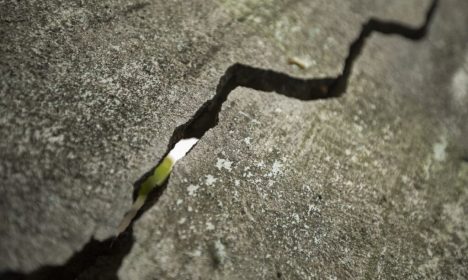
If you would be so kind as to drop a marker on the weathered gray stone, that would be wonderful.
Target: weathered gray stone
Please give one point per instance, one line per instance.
(370, 185)
(90, 94)
(367, 186)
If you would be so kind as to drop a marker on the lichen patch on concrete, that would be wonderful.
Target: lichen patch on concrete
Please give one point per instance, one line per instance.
(439, 149)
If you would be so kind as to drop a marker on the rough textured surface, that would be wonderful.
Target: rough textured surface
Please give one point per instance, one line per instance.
(371, 185)
(90, 94)
(367, 186)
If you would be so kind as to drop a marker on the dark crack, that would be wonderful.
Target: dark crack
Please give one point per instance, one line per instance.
(240, 75)
(94, 254)
(105, 257)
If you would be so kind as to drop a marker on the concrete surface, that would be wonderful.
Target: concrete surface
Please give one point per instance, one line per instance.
(370, 185)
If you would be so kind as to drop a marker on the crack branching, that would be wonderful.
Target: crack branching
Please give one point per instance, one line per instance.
(153, 183)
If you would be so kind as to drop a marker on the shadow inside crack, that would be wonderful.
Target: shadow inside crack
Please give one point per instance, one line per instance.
(240, 75)
(96, 260)
(106, 256)
(102, 259)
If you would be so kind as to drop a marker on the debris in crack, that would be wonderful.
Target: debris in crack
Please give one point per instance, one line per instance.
(151, 185)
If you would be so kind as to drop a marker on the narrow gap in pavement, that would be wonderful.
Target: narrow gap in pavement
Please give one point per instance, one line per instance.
(106, 256)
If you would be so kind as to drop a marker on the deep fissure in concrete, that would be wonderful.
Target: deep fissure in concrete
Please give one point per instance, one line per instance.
(108, 255)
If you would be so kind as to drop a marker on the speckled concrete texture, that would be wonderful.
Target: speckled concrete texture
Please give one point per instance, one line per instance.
(371, 185)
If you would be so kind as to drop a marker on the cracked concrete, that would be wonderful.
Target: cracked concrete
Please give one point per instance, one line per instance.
(355, 191)
(93, 93)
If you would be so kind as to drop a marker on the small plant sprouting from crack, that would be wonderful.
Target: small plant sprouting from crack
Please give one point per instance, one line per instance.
(151, 185)
(157, 178)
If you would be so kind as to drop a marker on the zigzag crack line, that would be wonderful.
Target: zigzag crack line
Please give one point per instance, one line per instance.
(240, 75)
(151, 185)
